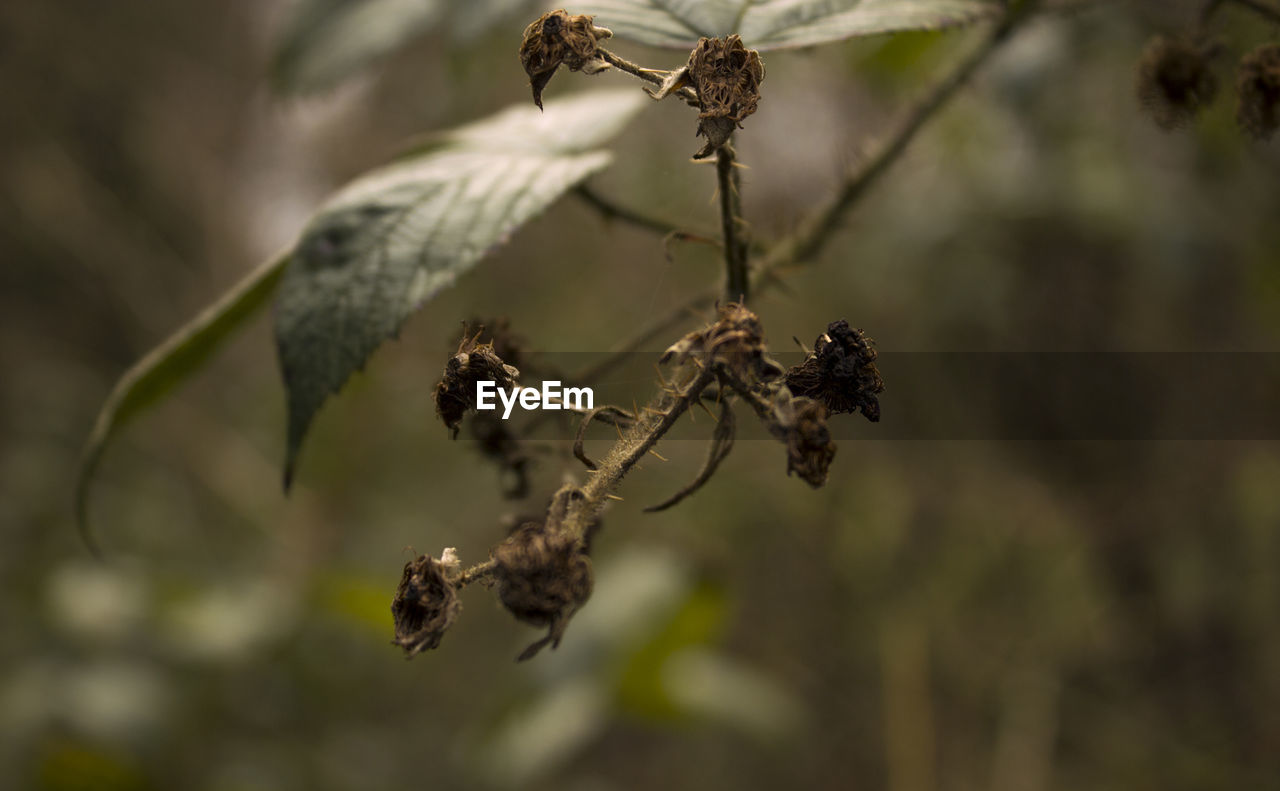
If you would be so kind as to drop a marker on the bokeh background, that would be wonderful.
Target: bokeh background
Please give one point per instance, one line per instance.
(976, 614)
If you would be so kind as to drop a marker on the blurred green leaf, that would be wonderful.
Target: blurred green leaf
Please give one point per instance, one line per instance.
(326, 41)
(777, 24)
(397, 236)
(697, 622)
(152, 377)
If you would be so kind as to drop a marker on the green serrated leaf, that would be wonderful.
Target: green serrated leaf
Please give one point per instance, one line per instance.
(777, 24)
(165, 366)
(394, 238)
(326, 41)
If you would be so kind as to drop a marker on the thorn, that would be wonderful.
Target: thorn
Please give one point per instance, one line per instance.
(614, 497)
(706, 409)
(618, 429)
(659, 455)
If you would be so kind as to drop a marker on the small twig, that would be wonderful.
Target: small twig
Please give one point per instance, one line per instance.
(581, 511)
(613, 211)
(611, 414)
(732, 225)
(721, 444)
(1261, 8)
(813, 234)
(652, 76)
(477, 573)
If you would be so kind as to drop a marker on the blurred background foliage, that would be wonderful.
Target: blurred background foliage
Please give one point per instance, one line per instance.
(942, 615)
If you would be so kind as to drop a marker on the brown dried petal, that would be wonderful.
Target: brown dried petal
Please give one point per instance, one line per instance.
(559, 38)
(1175, 81)
(426, 604)
(1258, 83)
(840, 372)
(455, 393)
(726, 76)
(543, 577)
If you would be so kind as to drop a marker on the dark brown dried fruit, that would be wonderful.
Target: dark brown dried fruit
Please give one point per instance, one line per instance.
(726, 76)
(426, 604)
(543, 577)
(1258, 83)
(840, 372)
(1175, 81)
(559, 38)
(474, 362)
(809, 446)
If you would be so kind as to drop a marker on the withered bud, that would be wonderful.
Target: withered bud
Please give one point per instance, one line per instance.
(1258, 83)
(726, 76)
(559, 38)
(840, 372)
(456, 391)
(507, 344)
(543, 577)
(735, 342)
(802, 424)
(426, 603)
(1175, 80)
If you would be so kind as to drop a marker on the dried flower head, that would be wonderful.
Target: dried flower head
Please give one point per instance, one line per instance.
(543, 577)
(726, 76)
(426, 603)
(840, 372)
(1175, 80)
(559, 38)
(1258, 83)
(456, 391)
(802, 424)
(735, 343)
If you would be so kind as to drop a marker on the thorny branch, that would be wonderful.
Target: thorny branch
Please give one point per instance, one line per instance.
(733, 227)
(813, 233)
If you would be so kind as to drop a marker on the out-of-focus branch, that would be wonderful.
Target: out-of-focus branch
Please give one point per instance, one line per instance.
(613, 211)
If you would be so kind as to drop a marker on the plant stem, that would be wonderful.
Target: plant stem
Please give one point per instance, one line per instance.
(802, 246)
(651, 76)
(1260, 7)
(613, 211)
(653, 422)
(732, 226)
(815, 232)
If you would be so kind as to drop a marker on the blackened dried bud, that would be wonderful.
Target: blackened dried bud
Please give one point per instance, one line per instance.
(474, 362)
(1175, 80)
(543, 577)
(840, 372)
(802, 423)
(560, 38)
(726, 76)
(1258, 84)
(426, 603)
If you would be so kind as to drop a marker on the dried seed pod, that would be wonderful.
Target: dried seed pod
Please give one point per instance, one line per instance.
(426, 603)
(559, 38)
(474, 362)
(840, 372)
(802, 424)
(1175, 80)
(543, 577)
(1258, 84)
(726, 76)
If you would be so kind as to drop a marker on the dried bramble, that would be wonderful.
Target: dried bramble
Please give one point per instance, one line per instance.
(455, 393)
(426, 603)
(840, 372)
(726, 76)
(543, 577)
(802, 424)
(1258, 83)
(1175, 80)
(559, 38)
